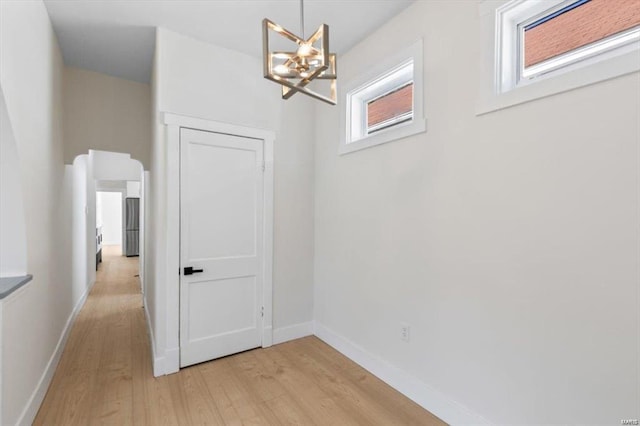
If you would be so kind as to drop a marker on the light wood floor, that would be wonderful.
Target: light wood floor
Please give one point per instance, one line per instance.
(105, 376)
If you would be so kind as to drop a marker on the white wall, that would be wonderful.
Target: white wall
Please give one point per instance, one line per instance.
(111, 214)
(90, 213)
(82, 272)
(115, 166)
(144, 217)
(154, 218)
(112, 185)
(105, 113)
(508, 242)
(98, 206)
(189, 80)
(293, 212)
(133, 189)
(13, 244)
(33, 323)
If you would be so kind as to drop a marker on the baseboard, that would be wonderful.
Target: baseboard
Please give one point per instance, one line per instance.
(292, 332)
(267, 336)
(429, 398)
(158, 362)
(172, 361)
(33, 405)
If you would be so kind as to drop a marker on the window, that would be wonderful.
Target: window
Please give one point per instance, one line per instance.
(573, 31)
(573, 42)
(385, 103)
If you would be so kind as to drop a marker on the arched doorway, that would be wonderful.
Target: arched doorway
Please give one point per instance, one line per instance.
(109, 174)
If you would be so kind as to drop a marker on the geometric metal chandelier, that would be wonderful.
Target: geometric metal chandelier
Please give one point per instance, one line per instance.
(308, 60)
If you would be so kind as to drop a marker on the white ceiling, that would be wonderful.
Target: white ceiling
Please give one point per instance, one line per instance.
(117, 37)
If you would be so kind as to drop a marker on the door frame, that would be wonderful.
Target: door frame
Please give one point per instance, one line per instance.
(173, 123)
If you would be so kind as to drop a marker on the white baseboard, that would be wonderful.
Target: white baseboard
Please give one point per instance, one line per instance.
(172, 361)
(158, 362)
(267, 336)
(33, 405)
(430, 399)
(292, 332)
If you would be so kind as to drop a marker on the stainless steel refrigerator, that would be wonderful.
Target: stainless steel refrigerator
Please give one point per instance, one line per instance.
(132, 222)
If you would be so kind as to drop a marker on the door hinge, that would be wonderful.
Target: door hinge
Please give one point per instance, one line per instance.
(262, 311)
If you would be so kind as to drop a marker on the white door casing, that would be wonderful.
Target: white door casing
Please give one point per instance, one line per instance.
(165, 335)
(222, 235)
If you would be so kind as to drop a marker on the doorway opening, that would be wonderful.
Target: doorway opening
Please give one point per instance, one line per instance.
(108, 213)
(118, 218)
(108, 223)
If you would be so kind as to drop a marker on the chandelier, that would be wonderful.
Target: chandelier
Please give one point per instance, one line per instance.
(309, 60)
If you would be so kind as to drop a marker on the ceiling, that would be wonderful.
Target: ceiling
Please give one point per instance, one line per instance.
(117, 37)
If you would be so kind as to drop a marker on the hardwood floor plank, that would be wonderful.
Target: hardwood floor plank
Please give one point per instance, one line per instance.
(213, 374)
(258, 381)
(151, 396)
(287, 411)
(194, 396)
(113, 404)
(105, 376)
(306, 392)
(407, 411)
(346, 395)
(246, 399)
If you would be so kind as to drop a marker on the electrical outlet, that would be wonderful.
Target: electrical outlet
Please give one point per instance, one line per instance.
(405, 332)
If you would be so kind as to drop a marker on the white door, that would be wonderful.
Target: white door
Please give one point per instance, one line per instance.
(221, 239)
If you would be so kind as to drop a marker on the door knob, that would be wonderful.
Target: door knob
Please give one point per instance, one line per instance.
(188, 270)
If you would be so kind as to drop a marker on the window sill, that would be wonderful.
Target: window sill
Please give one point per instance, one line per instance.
(401, 131)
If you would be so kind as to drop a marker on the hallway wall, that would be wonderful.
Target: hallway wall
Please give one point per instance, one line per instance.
(83, 226)
(33, 322)
(508, 241)
(116, 166)
(106, 113)
(189, 80)
(13, 244)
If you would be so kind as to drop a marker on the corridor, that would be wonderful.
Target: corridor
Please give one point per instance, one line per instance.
(105, 375)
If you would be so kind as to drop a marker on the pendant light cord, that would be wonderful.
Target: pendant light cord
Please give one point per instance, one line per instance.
(302, 18)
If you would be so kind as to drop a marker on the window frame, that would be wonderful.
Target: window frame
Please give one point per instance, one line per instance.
(374, 83)
(504, 81)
